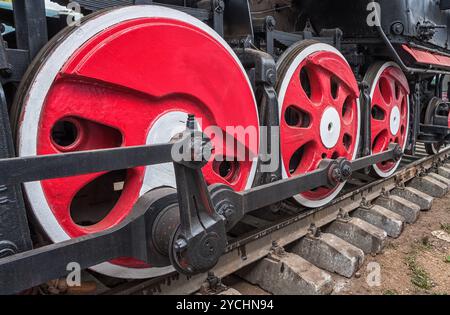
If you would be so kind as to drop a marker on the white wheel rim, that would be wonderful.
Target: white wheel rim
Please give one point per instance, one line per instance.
(330, 128)
(395, 120)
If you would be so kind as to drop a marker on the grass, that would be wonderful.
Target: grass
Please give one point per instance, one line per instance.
(419, 277)
(425, 242)
(445, 227)
(391, 245)
(447, 259)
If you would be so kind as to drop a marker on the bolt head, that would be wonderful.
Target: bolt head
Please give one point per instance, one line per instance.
(7, 249)
(271, 76)
(337, 174)
(398, 28)
(346, 171)
(180, 245)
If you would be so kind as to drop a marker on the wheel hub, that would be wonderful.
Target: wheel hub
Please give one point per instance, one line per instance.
(395, 121)
(163, 130)
(330, 128)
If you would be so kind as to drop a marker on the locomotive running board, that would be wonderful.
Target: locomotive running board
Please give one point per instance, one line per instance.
(425, 57)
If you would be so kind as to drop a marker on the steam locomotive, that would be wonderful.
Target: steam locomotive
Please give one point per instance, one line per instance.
(96, 93)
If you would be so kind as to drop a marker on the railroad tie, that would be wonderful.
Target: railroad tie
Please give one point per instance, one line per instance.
(410, 211)
(288, 274)
(423, 200)
(383, 218)
(330, 253)
(430, 186)
(369, 238)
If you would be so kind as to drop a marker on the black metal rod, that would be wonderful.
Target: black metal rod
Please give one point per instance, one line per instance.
(434, 129)
(272, 193)
(130, 238)
(32, 268)
(29, 169)
(263, 196)
(364, 162)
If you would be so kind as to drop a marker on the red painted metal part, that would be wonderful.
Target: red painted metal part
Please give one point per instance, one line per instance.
(427, 57)
(120, 82)
(391, 89)
(321, 67)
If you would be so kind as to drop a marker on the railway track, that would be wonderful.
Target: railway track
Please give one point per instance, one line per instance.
(425, 176)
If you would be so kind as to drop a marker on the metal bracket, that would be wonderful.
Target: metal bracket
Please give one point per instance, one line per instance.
(265, 79)
(386, 194)
(14, 230)
(201, 238)
(367, 118)
(277, 250)
(343, 216)
(415, 119)
(314, 231)
(213, 285)
(218, 9)
(366, 204)
(31, 25)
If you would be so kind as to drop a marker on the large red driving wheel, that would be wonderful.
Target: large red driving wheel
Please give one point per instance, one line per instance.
(128, 77)
(319, 113)
(389, 91)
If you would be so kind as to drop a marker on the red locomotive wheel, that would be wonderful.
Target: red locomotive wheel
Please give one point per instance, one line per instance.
(319, 113)
(390, 111)
(129, 77)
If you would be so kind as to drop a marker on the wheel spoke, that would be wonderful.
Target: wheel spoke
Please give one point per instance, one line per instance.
(295, 138)
(378, 100)
(379, 126)
(342, 94)
(64, 197)
(296, 96)
(128, 113)
(322, 82)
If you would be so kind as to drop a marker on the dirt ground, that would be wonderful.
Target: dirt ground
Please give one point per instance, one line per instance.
(416, 263)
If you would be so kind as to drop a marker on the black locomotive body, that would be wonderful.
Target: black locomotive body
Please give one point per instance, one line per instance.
(415, 20)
